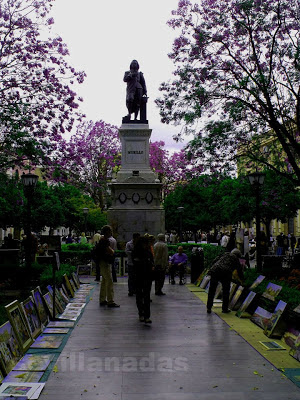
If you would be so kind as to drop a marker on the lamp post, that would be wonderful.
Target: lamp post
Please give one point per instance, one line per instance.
(180, 211)
(29, 182)
(85, 213)
(256, 180)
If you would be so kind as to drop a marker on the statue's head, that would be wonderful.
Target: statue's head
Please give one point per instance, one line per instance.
(134, 65)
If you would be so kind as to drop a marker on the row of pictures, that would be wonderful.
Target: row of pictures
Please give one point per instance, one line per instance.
(26, 321)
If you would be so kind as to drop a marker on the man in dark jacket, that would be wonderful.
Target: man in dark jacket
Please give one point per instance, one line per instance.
(221, 271)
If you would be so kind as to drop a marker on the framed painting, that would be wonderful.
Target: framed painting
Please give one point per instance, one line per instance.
(10, 352)
(68, 285)
(49, 304)
(204, 282)
(28, 389)
(63, 288)
(23, 376)
(76, 280)
(275, 326)
(19, 324)
(32, 317)
(242, 311)
(236, 297)
(58, 306)
(61, 324)
(261, 317)
(63, 295)
(272, 291)
(73, 285)
(40, 305)
(60, 298)
(34, 362)
(257, 281)
(48, 342)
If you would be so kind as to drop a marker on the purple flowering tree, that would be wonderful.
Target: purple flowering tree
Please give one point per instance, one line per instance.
(237, 81)
(37, 103)
(88, 160)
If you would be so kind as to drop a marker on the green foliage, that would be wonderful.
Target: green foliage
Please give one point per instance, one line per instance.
(76, 247)
(46, 277)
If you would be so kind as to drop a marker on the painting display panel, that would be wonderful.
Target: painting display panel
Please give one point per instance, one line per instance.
(76, 280)
(32, 317)
(30, 389)
(38, 300)
(34, 362)
(242, 310)
(9, 347)
(48, 300)
(64, 296)
(56, 330)
(272, 291)
(61, 324)
(257, 281)
(48, 342)
(73, 285)
(26, 376)
(272, 327)
(261, 317)
(17, 320)
(233, 287)
(292, 337)
(204, 282)
(236, 297)
(68, 285)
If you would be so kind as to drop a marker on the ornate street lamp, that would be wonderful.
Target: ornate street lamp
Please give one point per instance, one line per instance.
(29, 182)
(85, 213)
(256, 180)
(180, 211)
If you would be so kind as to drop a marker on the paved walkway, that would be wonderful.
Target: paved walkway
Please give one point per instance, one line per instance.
(186, 354)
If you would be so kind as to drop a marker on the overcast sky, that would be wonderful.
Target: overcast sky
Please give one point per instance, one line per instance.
(103, 37)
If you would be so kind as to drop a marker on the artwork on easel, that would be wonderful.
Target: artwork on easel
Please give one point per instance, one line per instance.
(34, 362)
(40, 305)
(272, 291)
(275, 326)
(32, 317)
(242, 311)
(68, 285)
(205, 282)
(257, 281)
(9, 348)
(23, 376)
(17, 320)
(236, 297)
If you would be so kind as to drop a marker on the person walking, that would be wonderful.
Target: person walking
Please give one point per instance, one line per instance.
(160, 262)
(143, 266)
(105, 255)
(131, 273)
(221, 271)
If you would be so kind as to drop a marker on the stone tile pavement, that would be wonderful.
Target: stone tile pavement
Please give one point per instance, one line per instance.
(185, 354)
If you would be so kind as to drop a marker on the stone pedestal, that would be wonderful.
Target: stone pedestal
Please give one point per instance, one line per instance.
(136, 191)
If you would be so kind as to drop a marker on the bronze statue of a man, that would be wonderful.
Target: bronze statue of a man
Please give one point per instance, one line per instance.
(136, 90)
